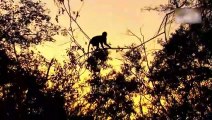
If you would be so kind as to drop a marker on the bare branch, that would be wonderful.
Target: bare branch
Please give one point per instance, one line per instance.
(149, 40)
(50, 64)
(144, 47)
(76, 22)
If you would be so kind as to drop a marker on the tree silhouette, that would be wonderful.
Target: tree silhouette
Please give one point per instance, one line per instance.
(181, 72)
(178, 85)
(22, 84)
(111, 96)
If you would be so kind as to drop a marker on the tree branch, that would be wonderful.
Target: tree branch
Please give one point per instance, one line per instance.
(50, 64)
(148, 40)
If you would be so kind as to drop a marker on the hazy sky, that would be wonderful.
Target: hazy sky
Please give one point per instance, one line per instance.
(113, 16)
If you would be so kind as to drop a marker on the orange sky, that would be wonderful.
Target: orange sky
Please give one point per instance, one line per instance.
(113, 16)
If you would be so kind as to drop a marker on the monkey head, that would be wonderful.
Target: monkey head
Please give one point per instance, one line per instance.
(104, 34)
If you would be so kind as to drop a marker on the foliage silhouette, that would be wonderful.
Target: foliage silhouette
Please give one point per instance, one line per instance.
(22, 96)
(111, 96)
(178, 87)
(25, 23)
(181, 72)
(97, 59)
(22, 83)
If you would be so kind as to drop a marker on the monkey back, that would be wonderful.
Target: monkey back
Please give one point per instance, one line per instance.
(96, 40)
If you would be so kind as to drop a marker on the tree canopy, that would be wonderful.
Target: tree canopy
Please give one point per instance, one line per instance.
(175, 85)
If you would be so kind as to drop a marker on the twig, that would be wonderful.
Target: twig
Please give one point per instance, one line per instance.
(119, 48)
(15, 51)
(144, 47)
(76, 22)
(175, 2)
(50, 64)
(148, 40)
(165, 28)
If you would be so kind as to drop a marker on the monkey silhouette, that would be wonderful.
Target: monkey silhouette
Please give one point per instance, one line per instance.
(100, 39)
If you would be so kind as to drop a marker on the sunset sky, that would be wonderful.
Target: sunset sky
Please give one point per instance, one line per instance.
(112, 16)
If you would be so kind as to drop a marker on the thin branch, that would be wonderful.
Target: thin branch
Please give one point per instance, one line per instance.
(14, 49)
(141, 109)
(69, 8)
(144, 47)
(175, 2)
(133, 34)
(164, 18)
(165, 23)
(76, 23)
(50, 64)
(119, 48)
(69, 12)
(148, 40)
(161, 24)
(171, 12)
(170, 24)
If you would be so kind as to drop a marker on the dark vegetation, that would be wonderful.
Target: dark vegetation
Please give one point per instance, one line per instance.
(178, 85)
